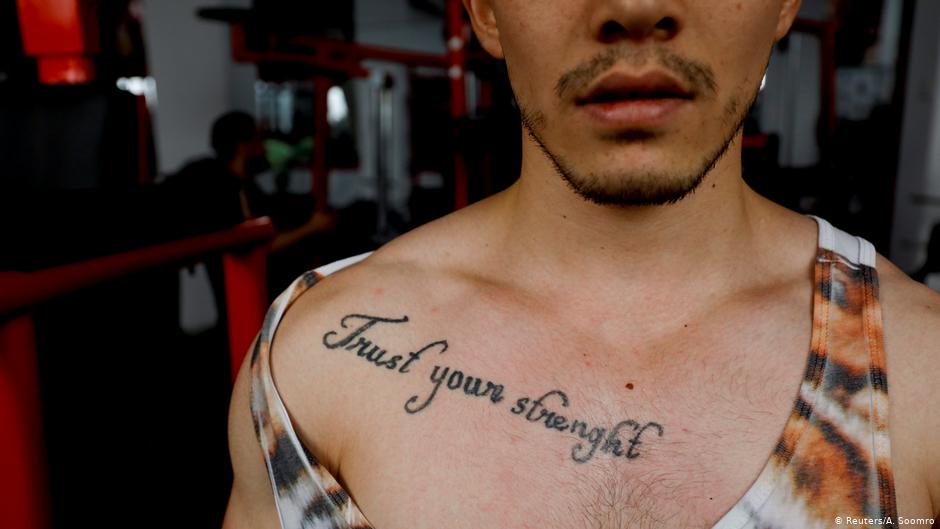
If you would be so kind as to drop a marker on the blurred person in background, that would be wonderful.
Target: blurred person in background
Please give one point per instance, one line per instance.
(223, 189)
(227, 182)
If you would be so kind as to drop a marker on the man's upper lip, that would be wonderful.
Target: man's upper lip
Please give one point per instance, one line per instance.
(646, 86)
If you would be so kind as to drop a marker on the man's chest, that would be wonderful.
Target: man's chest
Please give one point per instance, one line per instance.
(554, 459)
(558, 432)
(478, 421)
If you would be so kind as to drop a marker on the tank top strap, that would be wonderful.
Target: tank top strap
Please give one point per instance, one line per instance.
(852, 405)
(305, 493)
(855, 250)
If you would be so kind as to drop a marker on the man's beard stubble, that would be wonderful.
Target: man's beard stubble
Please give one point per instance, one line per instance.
(639, 188)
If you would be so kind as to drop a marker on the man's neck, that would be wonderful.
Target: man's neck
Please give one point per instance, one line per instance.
(698, 244)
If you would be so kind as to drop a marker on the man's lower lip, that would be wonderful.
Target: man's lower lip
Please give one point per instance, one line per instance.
(633, 113)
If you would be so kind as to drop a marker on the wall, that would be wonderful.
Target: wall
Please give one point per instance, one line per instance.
(917, 195)
(790, 103)
(196, 83)
(394, 24)
(196, 79)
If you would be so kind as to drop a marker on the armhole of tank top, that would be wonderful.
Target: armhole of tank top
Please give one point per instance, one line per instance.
(269, 331)
(265, 399)
(287, 298)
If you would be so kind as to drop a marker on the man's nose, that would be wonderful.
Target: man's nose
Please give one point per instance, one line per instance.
(636, 20)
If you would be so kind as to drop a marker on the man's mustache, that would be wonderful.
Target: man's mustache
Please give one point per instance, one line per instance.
(699, 77)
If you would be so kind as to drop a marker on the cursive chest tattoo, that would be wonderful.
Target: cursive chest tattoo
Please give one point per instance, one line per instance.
(621, 440)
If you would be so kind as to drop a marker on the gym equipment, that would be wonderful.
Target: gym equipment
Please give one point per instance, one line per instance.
(328, 61)
(24, 502)
(63, 36)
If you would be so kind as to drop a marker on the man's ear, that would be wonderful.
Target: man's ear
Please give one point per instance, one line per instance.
(788, 12)
(484, 25)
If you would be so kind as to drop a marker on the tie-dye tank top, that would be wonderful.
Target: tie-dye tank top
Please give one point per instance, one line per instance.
(832, 458)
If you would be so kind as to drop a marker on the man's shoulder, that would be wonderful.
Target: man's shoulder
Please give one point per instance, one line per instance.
(416, 262)
(911, 313)
(911, 322)
(386, 281)
(407, 289)
(323, 390)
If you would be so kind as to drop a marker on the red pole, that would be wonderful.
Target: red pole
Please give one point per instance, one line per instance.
(456, 59)
(485, 104)
(63, 36)
(246, 300)
(24, 502)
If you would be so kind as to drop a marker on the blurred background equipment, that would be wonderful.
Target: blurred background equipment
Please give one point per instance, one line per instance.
(62, 35)
(168, 167)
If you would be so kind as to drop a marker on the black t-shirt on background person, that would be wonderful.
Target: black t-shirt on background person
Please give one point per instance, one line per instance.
(220, 194)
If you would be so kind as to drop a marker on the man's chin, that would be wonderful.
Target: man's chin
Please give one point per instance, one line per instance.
(628, 137)
(646, 190)
(640, 172)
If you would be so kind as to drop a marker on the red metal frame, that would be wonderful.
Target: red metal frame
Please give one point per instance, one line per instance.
(484, 104)
(457, 36)
(338, 58)
(62, 35)
(24, 501)
(246, 300)
(756, 141)
(23, 497)
(21, 290)
(334, 56)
